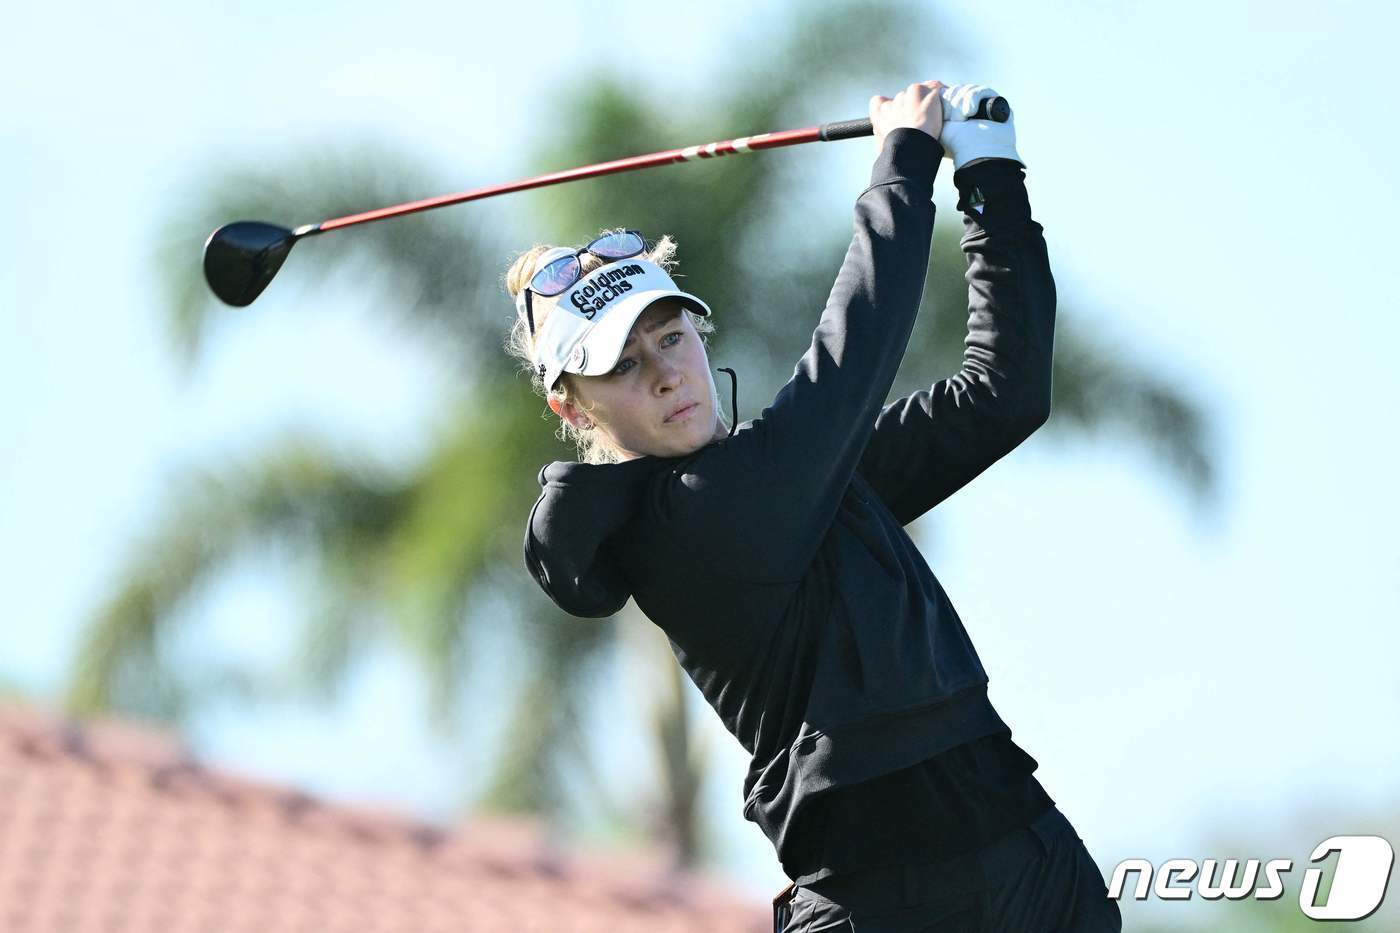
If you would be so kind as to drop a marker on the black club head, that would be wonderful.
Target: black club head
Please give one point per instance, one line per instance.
(241, 258)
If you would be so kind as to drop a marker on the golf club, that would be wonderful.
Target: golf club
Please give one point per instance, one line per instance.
(241, 258)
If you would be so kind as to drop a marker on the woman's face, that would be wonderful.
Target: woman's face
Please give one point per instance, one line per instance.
(663, 368)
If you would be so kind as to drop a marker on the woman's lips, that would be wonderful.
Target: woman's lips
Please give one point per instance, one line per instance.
(683, 414)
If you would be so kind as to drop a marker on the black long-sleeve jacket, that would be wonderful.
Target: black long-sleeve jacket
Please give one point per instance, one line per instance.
(776, 560)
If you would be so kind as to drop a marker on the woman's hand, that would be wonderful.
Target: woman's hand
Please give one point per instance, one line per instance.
(919, 106)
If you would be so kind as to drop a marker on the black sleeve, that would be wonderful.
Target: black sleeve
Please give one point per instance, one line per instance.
(928, 445)
(762, 501)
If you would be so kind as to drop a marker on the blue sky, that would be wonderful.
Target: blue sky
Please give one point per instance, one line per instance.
(1213, 181)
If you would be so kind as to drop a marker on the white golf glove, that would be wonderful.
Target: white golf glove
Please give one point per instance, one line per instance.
(965, 139)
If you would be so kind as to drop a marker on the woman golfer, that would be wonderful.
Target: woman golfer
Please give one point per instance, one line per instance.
(773, 554)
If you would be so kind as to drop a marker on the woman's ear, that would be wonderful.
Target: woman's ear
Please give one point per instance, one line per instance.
(570, 413)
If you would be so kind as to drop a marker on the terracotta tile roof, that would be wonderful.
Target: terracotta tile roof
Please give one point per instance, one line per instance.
(110, 827)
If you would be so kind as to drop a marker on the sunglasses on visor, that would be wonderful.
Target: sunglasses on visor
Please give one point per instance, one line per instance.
(559, 276)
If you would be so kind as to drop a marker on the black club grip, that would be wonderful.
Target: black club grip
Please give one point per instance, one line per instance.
(846, 129)
(993, 108)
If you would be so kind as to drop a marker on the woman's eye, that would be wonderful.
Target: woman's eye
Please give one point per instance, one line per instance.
(628, 364)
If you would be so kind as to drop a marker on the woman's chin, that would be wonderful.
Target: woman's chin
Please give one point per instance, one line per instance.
(692, 436)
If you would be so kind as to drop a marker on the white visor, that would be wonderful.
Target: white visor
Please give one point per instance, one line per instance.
(586, 327)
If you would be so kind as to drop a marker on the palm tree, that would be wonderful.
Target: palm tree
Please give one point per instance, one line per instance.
(418, 554)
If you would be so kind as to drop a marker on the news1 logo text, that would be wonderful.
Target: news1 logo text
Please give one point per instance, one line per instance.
(1359, 879)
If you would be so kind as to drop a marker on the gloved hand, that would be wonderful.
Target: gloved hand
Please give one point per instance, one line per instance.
(965, 139)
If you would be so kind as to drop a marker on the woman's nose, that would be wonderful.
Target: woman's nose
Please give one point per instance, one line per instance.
(668, 376)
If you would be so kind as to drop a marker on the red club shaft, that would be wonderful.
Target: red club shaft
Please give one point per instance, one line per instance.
(709, 151)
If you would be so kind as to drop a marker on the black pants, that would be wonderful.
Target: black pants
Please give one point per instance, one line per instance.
(1039, 879)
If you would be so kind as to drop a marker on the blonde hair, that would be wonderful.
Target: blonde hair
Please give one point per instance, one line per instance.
(591, 444)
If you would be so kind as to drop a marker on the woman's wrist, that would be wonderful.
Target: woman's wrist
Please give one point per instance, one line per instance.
(907, 153)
